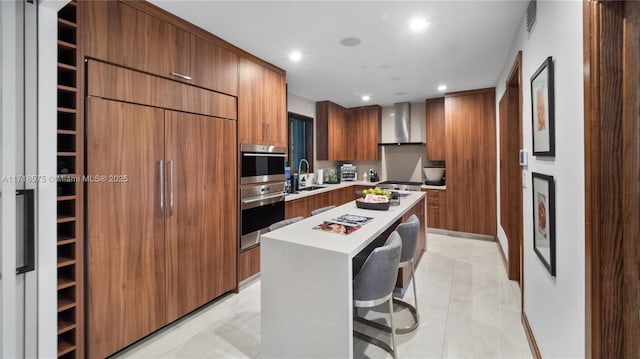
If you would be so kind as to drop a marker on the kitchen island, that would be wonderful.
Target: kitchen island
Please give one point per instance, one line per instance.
(306, 282)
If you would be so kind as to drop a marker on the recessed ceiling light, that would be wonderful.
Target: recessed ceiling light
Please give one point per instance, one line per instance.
(366, 98)
(295, 56)
(442, 87)
(350, 41)
(418, 24)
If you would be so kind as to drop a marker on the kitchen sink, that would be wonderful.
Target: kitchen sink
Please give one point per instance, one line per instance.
(309, 188)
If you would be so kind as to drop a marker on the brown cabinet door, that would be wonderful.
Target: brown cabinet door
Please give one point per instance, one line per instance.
(435, 129)
(125, 231)
(118, 33)
(363, 127)
(262, 113)
(201, 208)
(251, 125)
(276, 108)
(215, 67)
(337, 133)
(471, 162)
(296, 208)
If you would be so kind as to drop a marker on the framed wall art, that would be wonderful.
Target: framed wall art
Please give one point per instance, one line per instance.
(542, 109)
(544, 226)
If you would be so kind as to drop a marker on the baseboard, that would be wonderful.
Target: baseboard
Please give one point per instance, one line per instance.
(533, 345)
(467, 235)
(504, 257)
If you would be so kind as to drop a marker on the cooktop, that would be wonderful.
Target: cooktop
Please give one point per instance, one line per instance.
(401, 185)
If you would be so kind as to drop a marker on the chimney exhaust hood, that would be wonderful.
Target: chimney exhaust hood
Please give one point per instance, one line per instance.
(402, 127)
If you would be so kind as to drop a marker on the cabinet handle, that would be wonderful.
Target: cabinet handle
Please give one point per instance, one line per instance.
(161, 187)
(181, 76)
(171, 188)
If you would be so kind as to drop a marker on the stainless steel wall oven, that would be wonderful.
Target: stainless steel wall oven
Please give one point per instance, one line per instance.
(262, 191)
(260, 163)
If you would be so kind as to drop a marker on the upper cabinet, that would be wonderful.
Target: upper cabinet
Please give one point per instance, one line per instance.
(347, 134)
(262, 105)
(331, 131)
(363, 127)
(118, 33)
(435, 129)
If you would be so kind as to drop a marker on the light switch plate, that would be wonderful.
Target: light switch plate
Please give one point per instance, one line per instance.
(523, 156)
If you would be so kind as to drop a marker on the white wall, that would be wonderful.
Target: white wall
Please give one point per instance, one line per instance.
(555, 306)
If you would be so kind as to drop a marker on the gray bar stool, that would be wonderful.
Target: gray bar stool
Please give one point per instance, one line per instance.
(408, 231)
(321, 209)
(285, 222)
(374, 284)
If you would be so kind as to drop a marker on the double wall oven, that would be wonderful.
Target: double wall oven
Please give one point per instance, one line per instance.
(261, 191)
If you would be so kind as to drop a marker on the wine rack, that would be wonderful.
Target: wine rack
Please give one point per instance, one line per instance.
(69, 187)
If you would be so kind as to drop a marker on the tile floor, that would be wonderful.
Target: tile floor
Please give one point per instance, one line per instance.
(468, 307)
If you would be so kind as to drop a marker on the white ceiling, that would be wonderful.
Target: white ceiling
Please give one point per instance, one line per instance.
(465, 46)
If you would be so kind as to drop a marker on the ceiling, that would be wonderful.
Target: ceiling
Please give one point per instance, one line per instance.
(464, 46)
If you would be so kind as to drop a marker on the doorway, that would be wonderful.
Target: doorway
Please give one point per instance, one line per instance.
(511, 211)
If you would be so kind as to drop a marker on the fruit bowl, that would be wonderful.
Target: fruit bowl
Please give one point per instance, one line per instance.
(380, 206)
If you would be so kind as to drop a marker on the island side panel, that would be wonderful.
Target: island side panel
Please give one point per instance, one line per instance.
(306, 296)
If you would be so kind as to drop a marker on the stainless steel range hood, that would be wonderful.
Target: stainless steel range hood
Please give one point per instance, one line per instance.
(402, 127)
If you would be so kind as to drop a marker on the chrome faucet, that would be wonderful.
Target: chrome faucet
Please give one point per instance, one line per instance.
(300, 178)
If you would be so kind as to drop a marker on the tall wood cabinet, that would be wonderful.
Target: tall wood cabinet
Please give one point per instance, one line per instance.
(262, 105)
(470, 137)
(159, 245)
(435, 125)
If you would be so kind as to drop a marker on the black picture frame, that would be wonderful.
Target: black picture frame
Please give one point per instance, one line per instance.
(543, 110)
(544, 220)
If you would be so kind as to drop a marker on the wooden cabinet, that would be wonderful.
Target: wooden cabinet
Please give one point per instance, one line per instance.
(163, 241)
(200, 191)
(347, 134)
(303, 206)
(125, 226)
(436, 208)
(435, 127)
(470, 136)
(331, 131)
(118, 33)
(363, 128)
(262, 112)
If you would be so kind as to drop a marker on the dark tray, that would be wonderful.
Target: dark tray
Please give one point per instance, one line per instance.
(375, 206)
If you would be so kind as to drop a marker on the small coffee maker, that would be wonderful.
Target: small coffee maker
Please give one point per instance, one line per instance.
(373, 175)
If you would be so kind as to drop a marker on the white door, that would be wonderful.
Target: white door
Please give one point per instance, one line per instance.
(18, 166)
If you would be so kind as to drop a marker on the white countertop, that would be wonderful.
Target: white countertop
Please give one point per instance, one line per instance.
(302, 233)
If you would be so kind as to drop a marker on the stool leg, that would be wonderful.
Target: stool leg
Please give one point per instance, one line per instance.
(415, 295)
(393, 329)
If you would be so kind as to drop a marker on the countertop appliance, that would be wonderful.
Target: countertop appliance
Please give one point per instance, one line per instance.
(401, 185)
(348, 172)
(373, 175)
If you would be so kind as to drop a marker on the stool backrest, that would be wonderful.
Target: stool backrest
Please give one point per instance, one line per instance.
(409, 233)
(322, 209)
(284, 222)
(378, 275)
